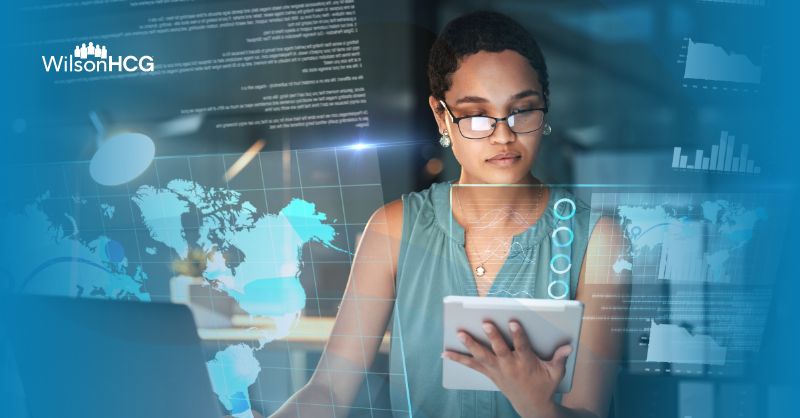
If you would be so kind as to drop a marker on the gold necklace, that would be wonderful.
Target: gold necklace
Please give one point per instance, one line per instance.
(480, 270)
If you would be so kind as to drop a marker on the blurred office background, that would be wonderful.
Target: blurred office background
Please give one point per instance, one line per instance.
(620, 107)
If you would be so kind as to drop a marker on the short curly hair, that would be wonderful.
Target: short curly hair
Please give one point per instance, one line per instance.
(480, 31)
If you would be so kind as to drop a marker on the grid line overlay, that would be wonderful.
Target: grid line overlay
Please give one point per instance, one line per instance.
(666, 219)
(703, 270)
(354, 195)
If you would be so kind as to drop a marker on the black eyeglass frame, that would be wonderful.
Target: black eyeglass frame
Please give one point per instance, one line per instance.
(455, 120)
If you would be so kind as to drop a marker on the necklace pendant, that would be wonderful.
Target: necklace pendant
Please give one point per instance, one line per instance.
(480, 271)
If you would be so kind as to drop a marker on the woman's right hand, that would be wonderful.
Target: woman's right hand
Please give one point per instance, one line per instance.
(527, 381)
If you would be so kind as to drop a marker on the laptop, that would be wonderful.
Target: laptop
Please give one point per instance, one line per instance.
(99, 358)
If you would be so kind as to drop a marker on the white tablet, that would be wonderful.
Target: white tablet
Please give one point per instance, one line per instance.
(549, 324)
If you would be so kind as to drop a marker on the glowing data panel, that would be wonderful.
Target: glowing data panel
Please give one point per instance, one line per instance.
(674, 344)
(703, 268)
(708, 66)
(250, 250)
(700, 237)
(711, 62)
(720, 159)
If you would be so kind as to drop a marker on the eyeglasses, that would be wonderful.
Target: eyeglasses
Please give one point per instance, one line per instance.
(479, 127)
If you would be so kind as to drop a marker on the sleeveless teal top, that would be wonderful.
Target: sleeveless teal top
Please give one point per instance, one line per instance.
(433, 264)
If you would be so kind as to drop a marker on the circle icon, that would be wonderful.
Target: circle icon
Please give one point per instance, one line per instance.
(550, 289)
(555, 209)
(571, 237)
(553, 260)
(114, 251)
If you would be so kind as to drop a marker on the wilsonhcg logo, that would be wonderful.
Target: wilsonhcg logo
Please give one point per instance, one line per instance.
(76, 62)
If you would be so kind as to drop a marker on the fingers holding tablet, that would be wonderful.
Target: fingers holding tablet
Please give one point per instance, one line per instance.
(529, 341)
(478, 358)
(515, 369)
(557, 366)
(521, 344)
(499, 345)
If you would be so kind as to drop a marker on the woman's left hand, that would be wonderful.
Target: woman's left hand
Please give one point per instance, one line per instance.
(527, 381)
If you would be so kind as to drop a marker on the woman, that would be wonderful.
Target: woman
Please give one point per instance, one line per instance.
(426, 246)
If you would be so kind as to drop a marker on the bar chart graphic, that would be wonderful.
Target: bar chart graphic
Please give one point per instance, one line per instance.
(721, 158)
(711, 62)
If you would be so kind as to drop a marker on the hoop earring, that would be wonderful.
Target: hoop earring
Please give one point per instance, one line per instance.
(547, 129)
(445, 139)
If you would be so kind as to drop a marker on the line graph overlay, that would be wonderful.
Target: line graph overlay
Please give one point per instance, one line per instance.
(716, 68)
(710, 62)
(674, 344)
(493, 231)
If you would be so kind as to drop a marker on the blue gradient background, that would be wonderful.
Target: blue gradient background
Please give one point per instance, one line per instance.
(57, 128)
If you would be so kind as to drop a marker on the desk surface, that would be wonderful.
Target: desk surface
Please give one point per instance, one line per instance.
(313, 331)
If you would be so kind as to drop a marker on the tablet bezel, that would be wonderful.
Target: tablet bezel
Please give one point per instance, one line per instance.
(549, 324)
